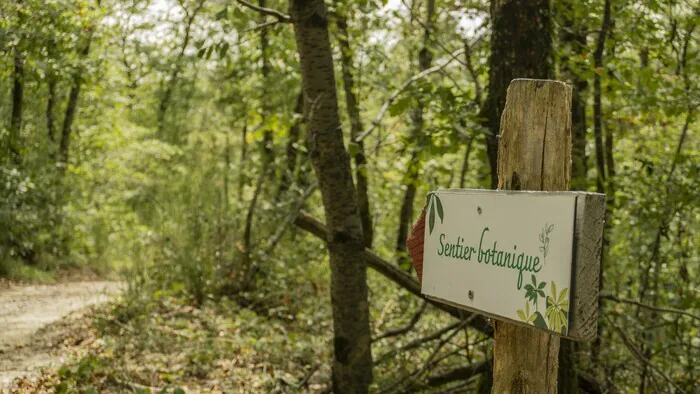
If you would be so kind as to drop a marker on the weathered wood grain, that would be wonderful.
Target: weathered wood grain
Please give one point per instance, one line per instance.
(534, 154)
(588, 241)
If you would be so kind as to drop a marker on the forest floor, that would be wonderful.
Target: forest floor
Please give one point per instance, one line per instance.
(31, 322)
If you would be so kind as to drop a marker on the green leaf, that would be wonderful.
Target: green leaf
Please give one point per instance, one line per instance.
(353, 148)
(521, 315)
(221, 14)
(534, 280)
(431, 218)
(542, 285)
(529, 287)
(223, 49)
(400, 106)
(439, 208)
(541, 293)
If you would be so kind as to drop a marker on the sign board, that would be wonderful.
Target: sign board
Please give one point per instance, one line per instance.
(508, 255)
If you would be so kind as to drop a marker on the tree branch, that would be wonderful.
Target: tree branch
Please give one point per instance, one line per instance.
(395, 274)
(638, 353)
(611, 297)
(402, 330)
(404, 86)
(462, 373)
(282, 18)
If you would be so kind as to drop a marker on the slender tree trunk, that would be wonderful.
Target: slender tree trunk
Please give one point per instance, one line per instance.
(575, 40)
(177, 68)
(356, 128)
(72, 106)
(597, 99)
(425, 58)
(17, 102)
(352, 366)
(268, 153)
(291, 149)
(50, 105)
(243, 177)
(599, 148)
(520, 48)
(227, 169)
(465, 163)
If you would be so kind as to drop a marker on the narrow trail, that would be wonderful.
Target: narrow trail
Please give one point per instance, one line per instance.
(25, 312)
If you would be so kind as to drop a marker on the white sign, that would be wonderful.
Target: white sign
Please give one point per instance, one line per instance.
(505, 254)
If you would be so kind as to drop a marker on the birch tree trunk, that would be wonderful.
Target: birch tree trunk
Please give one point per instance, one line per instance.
(352, 366)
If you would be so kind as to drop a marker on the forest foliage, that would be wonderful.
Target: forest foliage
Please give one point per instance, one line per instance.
(175, 141)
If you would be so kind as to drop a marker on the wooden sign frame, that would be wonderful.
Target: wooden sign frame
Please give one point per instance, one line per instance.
(588, 220)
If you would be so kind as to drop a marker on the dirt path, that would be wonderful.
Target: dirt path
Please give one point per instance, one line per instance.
(25, 310)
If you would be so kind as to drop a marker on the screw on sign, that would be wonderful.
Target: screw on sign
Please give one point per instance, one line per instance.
(530, 250)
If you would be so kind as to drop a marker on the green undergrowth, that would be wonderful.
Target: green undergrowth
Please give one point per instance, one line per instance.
(167, 345)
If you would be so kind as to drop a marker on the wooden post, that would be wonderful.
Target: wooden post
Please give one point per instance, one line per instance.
(534, 154)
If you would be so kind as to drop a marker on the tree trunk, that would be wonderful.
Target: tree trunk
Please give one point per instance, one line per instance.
(356, 129)
(243, 177)
(599, 149)
(535, 154)
(465, 163)
(72, 106)
(172, 81)
(597, 100)
(50, 105)
(268, 154)
(574, 38)
(291, 150)
(352, 366)
(520, 48)
(17, 101)
(425, 58)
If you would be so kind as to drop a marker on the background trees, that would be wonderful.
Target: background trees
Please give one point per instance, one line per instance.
(177, 139)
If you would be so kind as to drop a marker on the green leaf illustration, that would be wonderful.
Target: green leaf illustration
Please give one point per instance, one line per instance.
(439, 208)
(431, 218)
(539, 321)
(557, 309)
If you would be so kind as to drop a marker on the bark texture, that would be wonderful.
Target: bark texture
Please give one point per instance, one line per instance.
(520, 48)
(352, 365)
(535, 154)
(353, 108)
